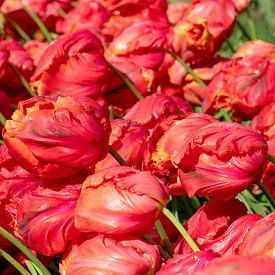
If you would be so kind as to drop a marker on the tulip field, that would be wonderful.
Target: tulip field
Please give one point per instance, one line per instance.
(137, 137)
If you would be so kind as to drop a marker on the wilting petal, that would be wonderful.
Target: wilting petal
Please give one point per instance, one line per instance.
(120, 200)
(56, 137)
(103, 255)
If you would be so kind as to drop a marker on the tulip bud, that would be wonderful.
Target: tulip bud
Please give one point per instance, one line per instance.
(103, 255)
(72, 65)
(120, 200)
(56, 137)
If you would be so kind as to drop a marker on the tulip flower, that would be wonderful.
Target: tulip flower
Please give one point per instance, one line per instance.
(221, 25)
(89, 15)
(128, 138)
(72, 65)
(210, 222)
(175, 11)
(244, 86)
(35, 49)
(45, 217)
(260, 239)
(120, 200)
(193, 40)
(263, 122)
(104, 255)
(187, 264)
(239, 265)
(256, 48)
(125, 13)
(11, 52)
(168, 142)
(56, 137)
(143, 43)
(152, 109)
(221, 159)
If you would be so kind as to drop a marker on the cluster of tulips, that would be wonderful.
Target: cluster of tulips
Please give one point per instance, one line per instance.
(129, 146)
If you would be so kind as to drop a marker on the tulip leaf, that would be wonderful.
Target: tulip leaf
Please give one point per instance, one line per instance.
(34, 270)
(253, 205)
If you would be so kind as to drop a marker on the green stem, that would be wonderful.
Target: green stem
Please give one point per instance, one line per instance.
(14, 263)
(164, 237)
(245, 33)
(270, 158)
(117, 156)
(162, 252)
(1, 141)
(23, 80)
(111, 112)
(187, 68)
(2, 119)
(127, 81)
(39, 23)
(251, 25)
(187, 206)
(24, 249)
(228, 43)
(18, 29)
(268, 195)
(181, 229)
(225, 115)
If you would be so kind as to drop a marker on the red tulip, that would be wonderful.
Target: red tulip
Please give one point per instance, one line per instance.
(264, 121)
(193, 40)
(14, 53)
(120, 200)
(128, 138)
(221, 159)
(260, 240)
(117, 93)
(152, 109)
(72, 65)
(219, 15)
(256, 48)
(89, 15)
(169, 142)
(45, 217)
(239, 265)
(244, 86)
(187, 264)
(103, 255)
(211, 222)
(127, 12)
(56, 137)
(36, 49)
(176, 10)
(143, 43)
